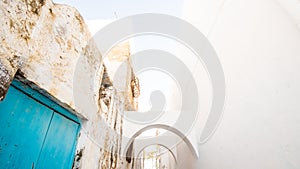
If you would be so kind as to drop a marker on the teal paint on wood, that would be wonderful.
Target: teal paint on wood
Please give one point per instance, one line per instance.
(34, 133)
(39, 97)
(23, 124)
(57, 150)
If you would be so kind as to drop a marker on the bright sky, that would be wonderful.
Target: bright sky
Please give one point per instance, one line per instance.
(112, 9)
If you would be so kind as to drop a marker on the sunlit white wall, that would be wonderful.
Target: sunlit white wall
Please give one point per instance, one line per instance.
(258, 43)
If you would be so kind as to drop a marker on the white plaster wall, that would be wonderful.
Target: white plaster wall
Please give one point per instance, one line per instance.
(258, 43)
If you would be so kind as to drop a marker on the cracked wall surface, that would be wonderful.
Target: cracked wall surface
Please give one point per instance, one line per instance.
(119, 68)
(50, 46)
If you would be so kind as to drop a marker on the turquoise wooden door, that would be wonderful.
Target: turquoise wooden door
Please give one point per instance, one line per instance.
(35, 132)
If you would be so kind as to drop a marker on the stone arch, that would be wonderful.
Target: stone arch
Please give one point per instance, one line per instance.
(166, 147)
(129, 147)
(137, 162)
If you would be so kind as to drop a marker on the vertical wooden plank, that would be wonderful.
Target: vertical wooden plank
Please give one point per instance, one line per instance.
(23, 123)
(58, 148)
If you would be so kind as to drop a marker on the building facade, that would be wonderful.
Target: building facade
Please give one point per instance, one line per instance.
(48, 57)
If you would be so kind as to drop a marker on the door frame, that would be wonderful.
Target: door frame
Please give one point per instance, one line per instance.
(43, 97)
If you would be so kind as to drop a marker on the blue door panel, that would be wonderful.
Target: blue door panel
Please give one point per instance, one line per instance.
(35, 133)
(22, 133)
(58, 148)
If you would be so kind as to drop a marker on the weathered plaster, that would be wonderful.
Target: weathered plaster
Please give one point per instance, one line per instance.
(50, 45)
(16, 24)
(7, 71)
(120, 70)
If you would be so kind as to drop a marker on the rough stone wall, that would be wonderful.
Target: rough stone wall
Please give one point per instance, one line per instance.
(120, 69)
(40, 34)
(50, 45)
(17, 21)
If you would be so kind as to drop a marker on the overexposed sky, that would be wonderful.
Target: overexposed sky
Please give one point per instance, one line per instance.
(103, 9)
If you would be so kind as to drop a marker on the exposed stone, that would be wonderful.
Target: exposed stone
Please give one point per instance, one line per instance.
(77, 159)
(135, 87)
(7, 71)
(120, 70)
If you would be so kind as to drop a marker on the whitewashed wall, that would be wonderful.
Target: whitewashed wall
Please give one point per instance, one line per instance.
(258, 43)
